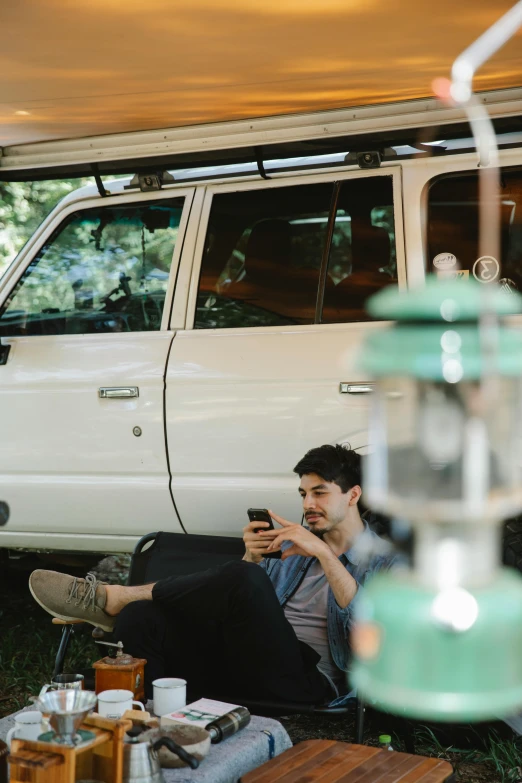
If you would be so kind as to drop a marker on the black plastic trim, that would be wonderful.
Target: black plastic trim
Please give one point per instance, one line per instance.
(4, 353)
(260, 164)
(326, 252)
(99, 184)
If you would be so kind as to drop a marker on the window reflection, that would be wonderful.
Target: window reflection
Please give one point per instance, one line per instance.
(262, 257)
(362, 255)
(264, 251)
(104, 270)
(453, 229)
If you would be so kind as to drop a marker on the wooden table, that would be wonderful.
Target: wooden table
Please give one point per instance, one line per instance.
(328, 761)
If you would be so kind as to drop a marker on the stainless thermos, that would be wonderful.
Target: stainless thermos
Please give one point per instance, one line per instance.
(228, 724)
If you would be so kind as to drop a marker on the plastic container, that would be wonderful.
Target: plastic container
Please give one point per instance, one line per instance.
(385, 742)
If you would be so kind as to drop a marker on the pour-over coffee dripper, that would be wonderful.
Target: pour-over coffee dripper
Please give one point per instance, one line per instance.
(66, 709)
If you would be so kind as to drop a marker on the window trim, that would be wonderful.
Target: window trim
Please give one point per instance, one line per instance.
(325, 261)
(59, 216)
(393, 171)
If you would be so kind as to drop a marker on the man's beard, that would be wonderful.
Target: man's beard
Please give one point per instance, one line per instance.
(312, 529)
(330, 524)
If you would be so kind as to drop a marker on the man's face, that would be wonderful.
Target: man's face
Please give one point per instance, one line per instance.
(324, 504)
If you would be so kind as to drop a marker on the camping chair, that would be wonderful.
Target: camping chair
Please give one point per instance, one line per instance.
(158, 555)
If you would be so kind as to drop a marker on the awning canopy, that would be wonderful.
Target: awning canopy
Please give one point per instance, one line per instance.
(91, 67)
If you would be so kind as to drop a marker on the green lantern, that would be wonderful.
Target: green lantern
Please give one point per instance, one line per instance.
(443, 640)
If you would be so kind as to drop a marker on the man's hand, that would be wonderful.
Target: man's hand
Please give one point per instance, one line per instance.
(255, 544)
(305, 543)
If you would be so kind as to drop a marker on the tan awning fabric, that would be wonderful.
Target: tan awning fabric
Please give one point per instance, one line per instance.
(84, 67)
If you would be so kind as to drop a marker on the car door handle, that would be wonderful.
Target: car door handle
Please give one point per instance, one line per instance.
(356, 388)
(118, 392)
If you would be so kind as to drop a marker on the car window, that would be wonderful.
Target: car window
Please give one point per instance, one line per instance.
(262, 257)
(104, 269)
(265, 248)
(362, 254)
(452, 235)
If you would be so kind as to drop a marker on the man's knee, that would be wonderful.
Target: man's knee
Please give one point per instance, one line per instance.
(246, 575)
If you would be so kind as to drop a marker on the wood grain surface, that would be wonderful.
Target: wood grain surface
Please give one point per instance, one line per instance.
(328, 761)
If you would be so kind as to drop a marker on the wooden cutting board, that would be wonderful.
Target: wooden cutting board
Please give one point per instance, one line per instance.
(328, 761)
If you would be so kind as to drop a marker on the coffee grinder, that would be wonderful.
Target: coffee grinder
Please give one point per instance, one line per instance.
(120, 670)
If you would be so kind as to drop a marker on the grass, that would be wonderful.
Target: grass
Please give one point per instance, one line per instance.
(27, 662)
(28, 645)
(499, 756)
(29, 641)
(503, 755)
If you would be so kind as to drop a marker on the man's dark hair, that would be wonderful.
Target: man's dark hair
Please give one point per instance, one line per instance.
(343, 466)
(333, 463)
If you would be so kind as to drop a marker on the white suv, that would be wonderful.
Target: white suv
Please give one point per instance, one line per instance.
(167, 356)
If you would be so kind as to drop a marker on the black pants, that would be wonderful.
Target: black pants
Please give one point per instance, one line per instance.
(224, 631)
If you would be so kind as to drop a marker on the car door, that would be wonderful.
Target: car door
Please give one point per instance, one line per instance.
(84, 344)
(266, 366)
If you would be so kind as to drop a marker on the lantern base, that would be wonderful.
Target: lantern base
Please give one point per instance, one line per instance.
(407, 662)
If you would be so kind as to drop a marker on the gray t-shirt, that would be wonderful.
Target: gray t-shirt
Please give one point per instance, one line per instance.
(306, 611)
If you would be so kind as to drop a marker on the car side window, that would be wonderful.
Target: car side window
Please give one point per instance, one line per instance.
(362, 254)
(262, 257)
(265, 249)
(453, 234)
(105, 269)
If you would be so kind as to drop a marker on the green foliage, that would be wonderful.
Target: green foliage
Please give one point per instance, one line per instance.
(503, 755)
(29, 641)
(100, 253)
(92, 252)
(23, 206)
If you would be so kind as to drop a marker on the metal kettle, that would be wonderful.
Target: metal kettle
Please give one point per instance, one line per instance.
(140, 759)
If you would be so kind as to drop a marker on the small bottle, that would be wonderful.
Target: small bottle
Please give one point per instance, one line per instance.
(228, 724)
(385, 742)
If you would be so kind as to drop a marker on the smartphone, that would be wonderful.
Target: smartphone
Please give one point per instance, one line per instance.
(262, 515)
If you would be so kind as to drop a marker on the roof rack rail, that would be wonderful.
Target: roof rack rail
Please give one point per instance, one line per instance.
(232, 142)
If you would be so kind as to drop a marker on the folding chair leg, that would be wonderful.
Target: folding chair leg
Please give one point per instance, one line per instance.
(359, 721)
(62, 649)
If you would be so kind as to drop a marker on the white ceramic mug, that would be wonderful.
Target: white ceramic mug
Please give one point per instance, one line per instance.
(113, 703)
(28, 725)
(170, 694)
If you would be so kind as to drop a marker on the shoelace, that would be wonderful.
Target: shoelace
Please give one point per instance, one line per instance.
(88, 596)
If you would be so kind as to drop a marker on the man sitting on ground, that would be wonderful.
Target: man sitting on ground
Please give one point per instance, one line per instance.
(258, 628)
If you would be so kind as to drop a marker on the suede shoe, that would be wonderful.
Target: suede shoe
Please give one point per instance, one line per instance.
(71, 598)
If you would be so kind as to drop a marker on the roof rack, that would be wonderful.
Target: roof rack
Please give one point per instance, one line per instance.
(289, 136)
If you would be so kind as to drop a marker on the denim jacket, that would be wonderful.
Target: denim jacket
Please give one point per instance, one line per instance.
(369, 554)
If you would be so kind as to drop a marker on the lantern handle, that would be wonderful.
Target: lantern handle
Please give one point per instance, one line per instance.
(472, 58)
(461, 92)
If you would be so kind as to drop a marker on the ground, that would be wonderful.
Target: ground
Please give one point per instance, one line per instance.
(488, 753)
